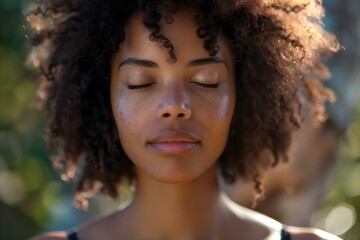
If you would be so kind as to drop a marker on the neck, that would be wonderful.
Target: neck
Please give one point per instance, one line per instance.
(189, 210)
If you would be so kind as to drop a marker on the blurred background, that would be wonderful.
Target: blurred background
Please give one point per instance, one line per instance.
(320, 188)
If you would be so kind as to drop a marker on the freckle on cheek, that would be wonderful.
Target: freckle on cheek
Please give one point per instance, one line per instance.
(122, 117)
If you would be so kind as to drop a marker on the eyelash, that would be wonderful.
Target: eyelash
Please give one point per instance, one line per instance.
(214, 85)
(134, 87)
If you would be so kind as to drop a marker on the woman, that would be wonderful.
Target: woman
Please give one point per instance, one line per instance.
(169, 95)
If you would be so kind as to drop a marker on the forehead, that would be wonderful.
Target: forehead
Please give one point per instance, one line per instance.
(181, 33)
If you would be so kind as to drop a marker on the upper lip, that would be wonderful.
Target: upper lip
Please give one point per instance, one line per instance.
(174, 136)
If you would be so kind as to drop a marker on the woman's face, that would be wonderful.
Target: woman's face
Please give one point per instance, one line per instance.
(173, 119)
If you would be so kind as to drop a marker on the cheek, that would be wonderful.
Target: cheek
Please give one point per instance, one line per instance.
(216, 118)
(221, 109)
(123, 112)
(225, 108)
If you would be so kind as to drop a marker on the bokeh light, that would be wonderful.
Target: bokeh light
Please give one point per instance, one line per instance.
(32, 196)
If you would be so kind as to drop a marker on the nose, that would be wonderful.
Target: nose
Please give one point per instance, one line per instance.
(174, 105)
(176, 111)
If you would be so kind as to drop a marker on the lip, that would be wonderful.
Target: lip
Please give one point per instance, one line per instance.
(174, 142)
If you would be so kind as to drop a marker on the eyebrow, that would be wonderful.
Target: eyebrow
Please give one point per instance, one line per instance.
(210, 60)
(138, 62)
(152, 64)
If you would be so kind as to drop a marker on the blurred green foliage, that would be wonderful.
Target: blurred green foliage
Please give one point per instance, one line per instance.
(24, 168)
(30, 192)
(344, 197)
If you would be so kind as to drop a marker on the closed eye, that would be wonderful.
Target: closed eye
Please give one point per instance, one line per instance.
(204, 85)
(142, 86)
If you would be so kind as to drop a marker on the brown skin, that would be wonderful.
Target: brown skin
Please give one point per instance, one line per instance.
(177, 194)
(175, 102)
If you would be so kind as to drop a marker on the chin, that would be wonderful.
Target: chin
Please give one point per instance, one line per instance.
(174, 174)
(174, 170)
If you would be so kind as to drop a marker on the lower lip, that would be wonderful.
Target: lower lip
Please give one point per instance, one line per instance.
(174, 147)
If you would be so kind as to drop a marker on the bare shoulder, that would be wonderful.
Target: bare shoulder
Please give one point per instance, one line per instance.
(266, 226)
(50, 236)
(298, 233)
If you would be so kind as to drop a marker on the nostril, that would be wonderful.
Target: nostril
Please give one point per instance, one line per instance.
(179, 115)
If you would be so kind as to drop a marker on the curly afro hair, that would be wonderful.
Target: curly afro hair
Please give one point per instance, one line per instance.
(278, 47)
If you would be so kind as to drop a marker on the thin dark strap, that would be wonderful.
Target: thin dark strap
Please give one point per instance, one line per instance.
(285, 235)
(72, 236)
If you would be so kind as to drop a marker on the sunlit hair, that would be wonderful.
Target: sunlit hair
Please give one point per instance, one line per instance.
(278, 47)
